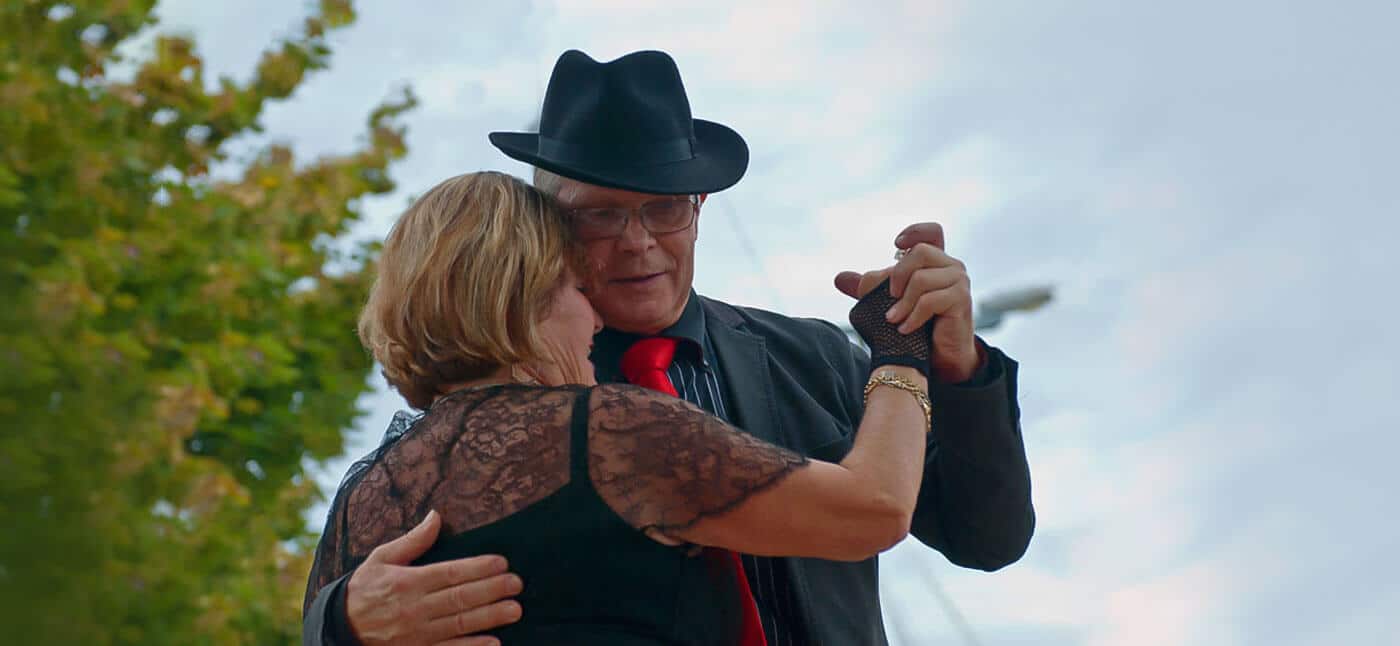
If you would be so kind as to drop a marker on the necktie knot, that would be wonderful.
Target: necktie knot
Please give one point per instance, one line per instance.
(645, 363)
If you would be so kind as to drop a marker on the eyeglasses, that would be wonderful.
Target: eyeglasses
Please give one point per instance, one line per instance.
(658, 217)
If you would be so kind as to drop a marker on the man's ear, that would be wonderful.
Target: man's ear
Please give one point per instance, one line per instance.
(701, 198)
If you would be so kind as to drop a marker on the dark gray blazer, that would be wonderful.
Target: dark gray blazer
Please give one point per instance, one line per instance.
(798, 383)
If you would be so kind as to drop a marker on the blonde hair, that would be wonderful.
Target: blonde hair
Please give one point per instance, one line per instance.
(464, 275)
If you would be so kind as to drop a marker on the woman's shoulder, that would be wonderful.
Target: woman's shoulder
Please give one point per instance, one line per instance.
(511, 437)
(498, 401)
(627, 400)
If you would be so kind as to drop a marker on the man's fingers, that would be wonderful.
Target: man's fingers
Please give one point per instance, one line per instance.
(472, 594)
(848, 283)
(447, 574)
(870, 280)
(473, 621)
(402, 550)
(925, 232)
(857, 285)
(477, 640)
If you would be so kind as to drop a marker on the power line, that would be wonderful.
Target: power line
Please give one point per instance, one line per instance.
(955, 616)
(752, 253)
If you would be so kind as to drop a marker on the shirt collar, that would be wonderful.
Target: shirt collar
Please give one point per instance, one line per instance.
(690, 328)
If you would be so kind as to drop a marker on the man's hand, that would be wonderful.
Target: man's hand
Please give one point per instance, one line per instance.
(929, 283)
(391, 602)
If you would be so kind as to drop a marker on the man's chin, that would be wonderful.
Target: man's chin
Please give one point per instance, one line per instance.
(645, 320)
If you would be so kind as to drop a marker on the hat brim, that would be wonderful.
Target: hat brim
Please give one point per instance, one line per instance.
(720, 159)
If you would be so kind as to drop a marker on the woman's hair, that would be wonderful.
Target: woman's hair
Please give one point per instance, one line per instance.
(464, 276)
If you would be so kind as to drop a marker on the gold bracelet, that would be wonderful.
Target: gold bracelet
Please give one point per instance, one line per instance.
(888, 378)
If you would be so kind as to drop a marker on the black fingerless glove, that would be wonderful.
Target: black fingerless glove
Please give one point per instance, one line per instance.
(887, 345)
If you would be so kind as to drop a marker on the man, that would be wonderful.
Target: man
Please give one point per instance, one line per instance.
(619, 149)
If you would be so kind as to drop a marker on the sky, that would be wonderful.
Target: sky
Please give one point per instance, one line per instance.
(1210, 188)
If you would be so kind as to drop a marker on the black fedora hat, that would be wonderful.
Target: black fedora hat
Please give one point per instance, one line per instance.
(626, 124)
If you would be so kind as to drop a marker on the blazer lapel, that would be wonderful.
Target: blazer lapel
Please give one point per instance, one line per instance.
(743, 367)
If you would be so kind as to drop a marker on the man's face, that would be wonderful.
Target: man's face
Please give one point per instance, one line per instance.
(641, 279)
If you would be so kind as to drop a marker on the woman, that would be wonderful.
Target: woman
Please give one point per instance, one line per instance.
(599, 496)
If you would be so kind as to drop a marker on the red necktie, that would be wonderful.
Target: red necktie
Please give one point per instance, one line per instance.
(644, 364)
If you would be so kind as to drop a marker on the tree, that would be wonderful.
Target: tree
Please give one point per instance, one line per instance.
(174, 348)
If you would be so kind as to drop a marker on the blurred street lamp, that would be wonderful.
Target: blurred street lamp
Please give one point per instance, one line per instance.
(989, 312)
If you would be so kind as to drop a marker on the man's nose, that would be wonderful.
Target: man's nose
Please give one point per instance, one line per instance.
(635, 237)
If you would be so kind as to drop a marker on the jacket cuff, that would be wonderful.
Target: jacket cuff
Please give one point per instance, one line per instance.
(326, 622)
(978, 417)
(987, 373)
(341, 632)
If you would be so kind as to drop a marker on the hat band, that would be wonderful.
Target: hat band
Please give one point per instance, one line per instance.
(657, 152)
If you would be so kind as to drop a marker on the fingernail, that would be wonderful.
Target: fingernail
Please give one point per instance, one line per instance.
(889, 314)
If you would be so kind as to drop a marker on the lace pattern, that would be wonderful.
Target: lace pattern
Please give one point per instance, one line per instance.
(662, 464)
(479, 456)
(887, 345)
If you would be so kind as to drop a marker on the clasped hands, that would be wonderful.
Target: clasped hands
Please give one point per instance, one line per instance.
(930, 284)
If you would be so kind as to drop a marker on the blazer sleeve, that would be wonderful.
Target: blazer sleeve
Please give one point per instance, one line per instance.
(975, 502)
(325, 623)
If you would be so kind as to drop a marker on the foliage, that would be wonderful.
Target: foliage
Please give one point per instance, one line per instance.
(173, 348)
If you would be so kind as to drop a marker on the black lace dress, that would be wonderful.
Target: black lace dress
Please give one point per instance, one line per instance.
(568, 483)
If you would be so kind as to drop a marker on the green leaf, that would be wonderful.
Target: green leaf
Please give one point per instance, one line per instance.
(165, 387)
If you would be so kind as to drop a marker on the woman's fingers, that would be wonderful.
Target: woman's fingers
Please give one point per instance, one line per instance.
(924, 282)
(932, 304)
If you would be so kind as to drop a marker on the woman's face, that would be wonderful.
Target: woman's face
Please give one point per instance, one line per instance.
(568, 336)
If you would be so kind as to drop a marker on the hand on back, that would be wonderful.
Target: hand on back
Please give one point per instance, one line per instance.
(389, 601)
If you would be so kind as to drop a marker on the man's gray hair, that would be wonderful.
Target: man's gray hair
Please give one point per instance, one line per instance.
(548, 183)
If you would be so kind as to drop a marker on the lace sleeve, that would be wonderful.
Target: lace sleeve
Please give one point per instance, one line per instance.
(662, 464)
(333, 559)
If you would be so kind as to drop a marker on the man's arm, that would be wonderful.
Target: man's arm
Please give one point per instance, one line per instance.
(387, 601)
(975, 502)
(320, 625)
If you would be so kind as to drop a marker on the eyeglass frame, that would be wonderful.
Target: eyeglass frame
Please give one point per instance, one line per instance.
(636, 211)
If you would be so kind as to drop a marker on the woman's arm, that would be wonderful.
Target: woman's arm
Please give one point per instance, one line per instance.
(682, 475)
(848, 511)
